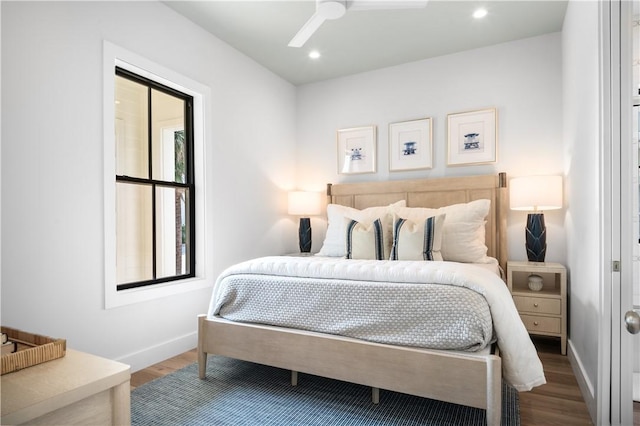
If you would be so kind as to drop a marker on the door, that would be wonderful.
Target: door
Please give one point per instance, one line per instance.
(618, 43)
(632, 318)
(620, 83)
(627, 328)
(636, 148)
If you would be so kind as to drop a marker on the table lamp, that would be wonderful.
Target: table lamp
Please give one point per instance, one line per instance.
(304, 204)
(535, 194)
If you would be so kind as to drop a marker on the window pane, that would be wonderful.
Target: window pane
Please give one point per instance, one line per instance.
(167, 115)
(172, 231)
(134, 248)
(132, 129)
(153, 145)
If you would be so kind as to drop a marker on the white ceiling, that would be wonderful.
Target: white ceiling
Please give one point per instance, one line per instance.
(366, 40)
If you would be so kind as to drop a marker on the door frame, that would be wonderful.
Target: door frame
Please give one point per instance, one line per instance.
(614, 396)
(623, 382)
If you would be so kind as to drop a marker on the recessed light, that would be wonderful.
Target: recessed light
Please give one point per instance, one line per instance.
(314, 54)
(480, 13)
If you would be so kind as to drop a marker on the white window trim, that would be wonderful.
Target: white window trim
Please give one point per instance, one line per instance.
(117, 56)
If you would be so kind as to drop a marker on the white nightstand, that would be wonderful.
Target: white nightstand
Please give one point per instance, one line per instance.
(543, 312)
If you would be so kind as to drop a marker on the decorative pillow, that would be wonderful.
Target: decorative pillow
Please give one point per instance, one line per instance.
(334, 241)
(417, 240)
(463, 238)
(368, 241)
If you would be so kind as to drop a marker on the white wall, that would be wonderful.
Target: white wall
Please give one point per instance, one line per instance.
(522, 79)
(52, 169)
(582, 165)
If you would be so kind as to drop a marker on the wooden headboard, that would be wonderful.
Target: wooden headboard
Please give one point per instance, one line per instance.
(435, 193)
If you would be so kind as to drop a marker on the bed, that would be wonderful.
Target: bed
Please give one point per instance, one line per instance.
(458, 376)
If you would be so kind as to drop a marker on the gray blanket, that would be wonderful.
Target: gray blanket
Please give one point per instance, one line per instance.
(409, 314)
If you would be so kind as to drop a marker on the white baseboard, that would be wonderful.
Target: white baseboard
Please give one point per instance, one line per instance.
(585, 385)
(155, 354)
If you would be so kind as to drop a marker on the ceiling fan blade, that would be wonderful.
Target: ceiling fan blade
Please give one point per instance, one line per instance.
(355, 5)
(307, 30)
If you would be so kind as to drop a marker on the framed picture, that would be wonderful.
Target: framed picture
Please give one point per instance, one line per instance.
(410, 145)
(357, 150)
(472, 137)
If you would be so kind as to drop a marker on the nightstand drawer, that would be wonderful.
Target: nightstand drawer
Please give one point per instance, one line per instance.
(541, 324)
(538, 305)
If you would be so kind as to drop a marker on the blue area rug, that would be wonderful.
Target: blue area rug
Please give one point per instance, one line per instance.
(242, 393)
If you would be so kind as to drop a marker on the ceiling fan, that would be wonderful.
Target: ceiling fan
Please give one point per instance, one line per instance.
(334, 9)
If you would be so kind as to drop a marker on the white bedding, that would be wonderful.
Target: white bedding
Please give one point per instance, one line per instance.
(521, 366)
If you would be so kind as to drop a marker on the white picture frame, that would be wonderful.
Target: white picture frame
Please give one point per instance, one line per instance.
(357, 150)
(472, 137)
(410, 145)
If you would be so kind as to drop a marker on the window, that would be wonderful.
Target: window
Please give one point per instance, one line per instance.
(155, 182)
(198, 251)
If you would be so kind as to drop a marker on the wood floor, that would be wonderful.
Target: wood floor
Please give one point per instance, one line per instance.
(559, 402)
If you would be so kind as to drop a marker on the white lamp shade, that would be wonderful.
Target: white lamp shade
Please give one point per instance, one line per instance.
(304, 203)
(533, 193)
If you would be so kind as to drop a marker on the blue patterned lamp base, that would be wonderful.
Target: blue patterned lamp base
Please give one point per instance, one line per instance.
(304, 234)
(536, 237)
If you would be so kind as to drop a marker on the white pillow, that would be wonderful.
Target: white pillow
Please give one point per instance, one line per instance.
(334, 241)
(368, 241)
(463, 238)
(417, 240)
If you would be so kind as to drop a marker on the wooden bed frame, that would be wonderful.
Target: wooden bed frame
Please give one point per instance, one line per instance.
(467, 379)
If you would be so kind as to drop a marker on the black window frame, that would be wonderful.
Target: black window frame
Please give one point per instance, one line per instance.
(155, 183)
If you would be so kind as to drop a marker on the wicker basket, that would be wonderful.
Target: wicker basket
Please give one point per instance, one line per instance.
(32, 349)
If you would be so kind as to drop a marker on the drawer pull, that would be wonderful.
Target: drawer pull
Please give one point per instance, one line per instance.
(535, 305)
(535, 323)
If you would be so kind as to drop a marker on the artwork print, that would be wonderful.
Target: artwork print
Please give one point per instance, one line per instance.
(410, 145)
(356, 150)
(472, 137)
(355, 155)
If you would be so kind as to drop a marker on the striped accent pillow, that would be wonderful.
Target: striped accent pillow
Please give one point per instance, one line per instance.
(417, 240)
(334, 243)
(364, 241)
(463, 235)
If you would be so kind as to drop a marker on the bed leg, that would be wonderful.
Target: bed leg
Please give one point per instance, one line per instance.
(202, 364)
(294, 378)
(202, 355)
(494, 392)
(375, 395)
